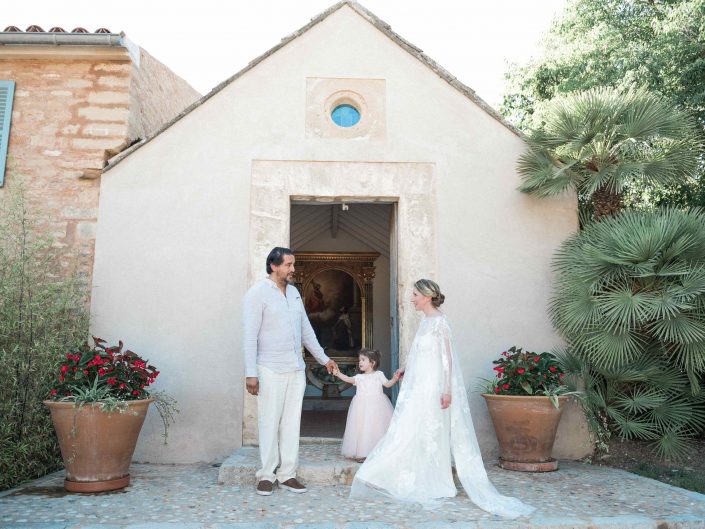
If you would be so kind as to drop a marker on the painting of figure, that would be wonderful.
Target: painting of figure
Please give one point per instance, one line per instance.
(334, 307)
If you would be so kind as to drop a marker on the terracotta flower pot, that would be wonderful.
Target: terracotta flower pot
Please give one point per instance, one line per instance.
(526, 428)
(97, 446)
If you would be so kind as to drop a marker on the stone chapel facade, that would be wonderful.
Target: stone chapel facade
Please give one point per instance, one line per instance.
(343, 140)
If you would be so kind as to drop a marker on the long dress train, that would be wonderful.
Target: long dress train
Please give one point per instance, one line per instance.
(413, 460)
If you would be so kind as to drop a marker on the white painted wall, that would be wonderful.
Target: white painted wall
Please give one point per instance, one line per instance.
(172, 245)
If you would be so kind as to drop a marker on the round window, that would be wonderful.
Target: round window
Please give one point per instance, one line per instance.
(345, 115)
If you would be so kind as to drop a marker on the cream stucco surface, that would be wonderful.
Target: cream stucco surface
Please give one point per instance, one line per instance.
(186, 221)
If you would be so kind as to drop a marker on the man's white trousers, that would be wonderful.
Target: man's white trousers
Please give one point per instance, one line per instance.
(279, 419)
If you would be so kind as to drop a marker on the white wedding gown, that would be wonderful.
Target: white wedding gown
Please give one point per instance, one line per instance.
(412, 462)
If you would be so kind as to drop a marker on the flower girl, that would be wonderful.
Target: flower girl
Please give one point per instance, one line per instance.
(370, 410)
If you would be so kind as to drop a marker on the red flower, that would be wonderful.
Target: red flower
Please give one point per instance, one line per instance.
(552, 369)
(521, 371)
(135, 392)
(53, 392)
(85, 371)
(112, 381)
(561, 375)
(499, 369)
(497, 390)
(122, 385)
(101, 371)
(536, 358)
(505, 386)
(504, 353)
(64, 369)
(61, 378)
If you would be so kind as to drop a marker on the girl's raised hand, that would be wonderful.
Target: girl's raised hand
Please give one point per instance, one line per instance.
(445, 401)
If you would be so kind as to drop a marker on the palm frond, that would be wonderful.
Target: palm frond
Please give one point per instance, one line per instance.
(673, 445)
(609, 138)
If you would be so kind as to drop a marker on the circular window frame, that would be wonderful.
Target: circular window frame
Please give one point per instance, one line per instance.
(346, 97)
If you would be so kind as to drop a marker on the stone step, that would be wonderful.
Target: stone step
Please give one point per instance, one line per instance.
(320, 462)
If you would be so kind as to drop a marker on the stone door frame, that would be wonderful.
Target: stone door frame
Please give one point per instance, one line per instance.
(412, 186)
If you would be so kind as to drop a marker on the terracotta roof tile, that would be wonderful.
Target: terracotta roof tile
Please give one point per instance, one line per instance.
(55, 29)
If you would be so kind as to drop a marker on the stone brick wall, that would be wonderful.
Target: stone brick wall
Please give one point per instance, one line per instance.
(65, 115)
(157, 95)
(68, 118)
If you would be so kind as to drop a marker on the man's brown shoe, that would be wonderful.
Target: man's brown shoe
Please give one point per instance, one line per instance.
(264, 488)
(293, 485)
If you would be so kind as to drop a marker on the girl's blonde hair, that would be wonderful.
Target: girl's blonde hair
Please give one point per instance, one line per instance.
(431, 289)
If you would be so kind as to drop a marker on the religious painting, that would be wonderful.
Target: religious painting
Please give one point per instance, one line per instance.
(334, 306)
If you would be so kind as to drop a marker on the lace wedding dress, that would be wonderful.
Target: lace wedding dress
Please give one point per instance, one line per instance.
(413, 460)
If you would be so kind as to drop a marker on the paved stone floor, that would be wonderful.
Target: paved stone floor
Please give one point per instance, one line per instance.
(188, 496)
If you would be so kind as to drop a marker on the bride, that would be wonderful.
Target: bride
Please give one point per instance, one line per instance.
(431, 421)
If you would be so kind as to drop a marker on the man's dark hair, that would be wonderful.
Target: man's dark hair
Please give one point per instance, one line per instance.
(276, 257)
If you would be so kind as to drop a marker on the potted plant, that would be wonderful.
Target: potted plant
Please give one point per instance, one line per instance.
(98, 405)
(525, 403)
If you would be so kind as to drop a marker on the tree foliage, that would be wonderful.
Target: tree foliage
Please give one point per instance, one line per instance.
(600, 141)
(630, 303)
(658, 45)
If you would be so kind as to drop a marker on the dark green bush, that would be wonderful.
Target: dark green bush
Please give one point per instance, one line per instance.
(42, 316)
(630, 303)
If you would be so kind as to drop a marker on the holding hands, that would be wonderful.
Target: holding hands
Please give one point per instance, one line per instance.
(331, 366)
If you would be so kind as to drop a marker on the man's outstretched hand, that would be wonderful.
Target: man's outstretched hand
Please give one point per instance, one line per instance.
(252, 385)
(331, 366)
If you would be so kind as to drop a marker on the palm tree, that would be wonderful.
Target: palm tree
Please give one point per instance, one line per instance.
(599, 141)
(630, 302)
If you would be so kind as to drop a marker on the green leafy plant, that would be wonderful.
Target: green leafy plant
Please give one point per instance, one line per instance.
(42, 313)
(522, 372)
(599, 141)
(109, 377)
(630, 302)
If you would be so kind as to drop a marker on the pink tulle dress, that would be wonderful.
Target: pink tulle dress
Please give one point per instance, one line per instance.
(368, 417)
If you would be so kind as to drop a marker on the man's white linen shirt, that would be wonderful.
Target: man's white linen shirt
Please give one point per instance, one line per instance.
(275, 327)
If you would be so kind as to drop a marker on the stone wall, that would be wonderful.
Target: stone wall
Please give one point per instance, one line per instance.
(65, 115)
(70, 116)
(156, 96)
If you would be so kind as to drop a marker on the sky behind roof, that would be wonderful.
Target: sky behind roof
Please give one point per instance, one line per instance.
(207, 41)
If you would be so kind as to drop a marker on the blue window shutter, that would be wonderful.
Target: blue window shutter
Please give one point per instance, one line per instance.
(7, 91)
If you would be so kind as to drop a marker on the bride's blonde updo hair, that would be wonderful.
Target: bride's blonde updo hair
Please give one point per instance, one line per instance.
(431, 289)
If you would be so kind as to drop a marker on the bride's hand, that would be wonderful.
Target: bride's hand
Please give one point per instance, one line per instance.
(445, 401)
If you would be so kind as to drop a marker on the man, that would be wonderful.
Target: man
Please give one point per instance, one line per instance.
(275, 326)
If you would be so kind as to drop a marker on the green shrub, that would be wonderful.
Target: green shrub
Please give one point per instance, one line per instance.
(630, 303)
(42, 316)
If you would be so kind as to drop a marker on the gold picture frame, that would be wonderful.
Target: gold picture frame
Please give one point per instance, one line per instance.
(336, 289)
